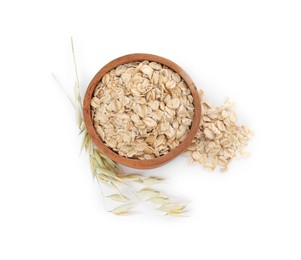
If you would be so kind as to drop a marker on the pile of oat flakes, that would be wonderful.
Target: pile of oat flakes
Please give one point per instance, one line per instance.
(220, 138)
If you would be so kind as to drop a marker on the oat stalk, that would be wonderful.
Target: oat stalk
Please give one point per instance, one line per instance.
(128, 189)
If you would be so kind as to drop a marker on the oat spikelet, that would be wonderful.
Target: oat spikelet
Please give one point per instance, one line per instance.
(118, 197)
(125, 209)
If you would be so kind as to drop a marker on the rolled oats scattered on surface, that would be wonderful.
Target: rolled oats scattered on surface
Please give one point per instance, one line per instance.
(219, 138)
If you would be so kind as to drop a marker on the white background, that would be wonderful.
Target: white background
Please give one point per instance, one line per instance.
(247, 50)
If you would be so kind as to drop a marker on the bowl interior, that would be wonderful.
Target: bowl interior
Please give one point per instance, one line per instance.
(136, 163)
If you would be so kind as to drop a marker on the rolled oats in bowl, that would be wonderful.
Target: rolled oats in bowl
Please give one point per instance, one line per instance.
(142, 110)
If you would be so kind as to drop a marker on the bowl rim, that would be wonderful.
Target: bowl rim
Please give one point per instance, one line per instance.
(136, 163)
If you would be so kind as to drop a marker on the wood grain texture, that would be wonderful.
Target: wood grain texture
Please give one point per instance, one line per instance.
(135, 163)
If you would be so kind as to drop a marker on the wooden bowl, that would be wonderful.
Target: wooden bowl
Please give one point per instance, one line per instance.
(135, 163)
